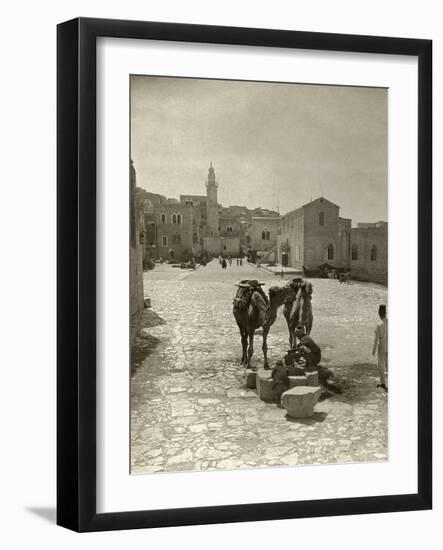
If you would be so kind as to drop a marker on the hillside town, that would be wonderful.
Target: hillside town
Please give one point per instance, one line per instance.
(308, 238)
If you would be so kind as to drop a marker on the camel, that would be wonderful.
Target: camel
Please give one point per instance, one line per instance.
(257, 311)
(299, 311)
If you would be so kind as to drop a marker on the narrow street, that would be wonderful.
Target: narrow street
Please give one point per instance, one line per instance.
(189, 407)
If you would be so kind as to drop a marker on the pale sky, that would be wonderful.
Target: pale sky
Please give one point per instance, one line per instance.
(271, 144)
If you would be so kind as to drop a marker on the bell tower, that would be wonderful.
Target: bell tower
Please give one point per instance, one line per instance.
(211, 201)
(211, 185)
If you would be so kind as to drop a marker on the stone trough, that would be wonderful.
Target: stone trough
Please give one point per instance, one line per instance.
(295, 381)
(265, 387)
(250, 378)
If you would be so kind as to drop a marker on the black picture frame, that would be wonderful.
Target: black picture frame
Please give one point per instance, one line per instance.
(76, 265)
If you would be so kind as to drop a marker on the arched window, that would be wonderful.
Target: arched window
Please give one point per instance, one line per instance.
(268, 235)
(331, 252)
(163, 218)
(373, 253)
(321, 218)
(354, 252)
(263, 235)
(174, 218)
(194, 238)
(179, 218)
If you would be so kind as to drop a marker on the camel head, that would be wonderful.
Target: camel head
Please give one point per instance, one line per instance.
(278, 295)
(306, 289)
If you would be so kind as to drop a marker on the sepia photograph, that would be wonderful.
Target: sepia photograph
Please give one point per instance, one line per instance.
(258, 274)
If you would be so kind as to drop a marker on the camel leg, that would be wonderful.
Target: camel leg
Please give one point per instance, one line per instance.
(265, 348)
(244, 343)
(251, 347)
(291, 335)
(310, 323)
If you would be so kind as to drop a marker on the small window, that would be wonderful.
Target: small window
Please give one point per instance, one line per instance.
(164, 240)
(354, 252)
(176, 239)
(163, 218)
(174, 218)
(268, 236)
(374, 253)
(321, 218)
(331, 252)
(179, 218)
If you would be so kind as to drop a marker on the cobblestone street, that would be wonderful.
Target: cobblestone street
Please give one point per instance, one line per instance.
(190, 409)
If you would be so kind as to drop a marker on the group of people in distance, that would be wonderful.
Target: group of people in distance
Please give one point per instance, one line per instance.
(225, 261)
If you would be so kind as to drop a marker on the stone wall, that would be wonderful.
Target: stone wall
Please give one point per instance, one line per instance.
(263, 232)
(369, 254)
(231, 246)
(227, 246)
(136, 257)
(213, 245)
(319, 236)
(177, 231)
(292, 236)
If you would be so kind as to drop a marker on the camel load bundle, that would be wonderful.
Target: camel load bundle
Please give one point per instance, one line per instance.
(244, 292)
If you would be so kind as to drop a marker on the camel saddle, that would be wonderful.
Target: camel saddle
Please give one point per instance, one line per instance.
(244, 292)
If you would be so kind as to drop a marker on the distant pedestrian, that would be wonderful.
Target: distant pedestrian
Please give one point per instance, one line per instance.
(241, 261)
(223, 263)
(230, 260)
(381, 345)
(220, 260)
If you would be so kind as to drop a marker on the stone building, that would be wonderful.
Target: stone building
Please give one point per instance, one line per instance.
(369, 252)
(315, 234)
(178, 231)
(198, 224)
(263, 232)
(136, 256)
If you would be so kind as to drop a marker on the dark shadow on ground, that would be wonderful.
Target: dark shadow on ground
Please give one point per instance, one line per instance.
(145, 343)
(151, 319)
(357, 382)
(48, 514)
(314, 419)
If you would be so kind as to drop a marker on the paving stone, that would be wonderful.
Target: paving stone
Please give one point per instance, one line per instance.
(300, 401)
(239, 393)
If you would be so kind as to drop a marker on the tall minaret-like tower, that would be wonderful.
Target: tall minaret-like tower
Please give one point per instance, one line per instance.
(211, 202)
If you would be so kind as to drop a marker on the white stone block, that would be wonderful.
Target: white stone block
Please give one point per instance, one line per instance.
(300, 401)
